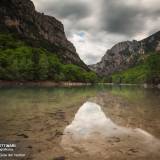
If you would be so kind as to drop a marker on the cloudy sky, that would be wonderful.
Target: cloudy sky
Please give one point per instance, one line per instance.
(95, 26)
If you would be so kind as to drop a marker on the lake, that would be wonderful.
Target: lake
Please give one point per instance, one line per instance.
(82, 123)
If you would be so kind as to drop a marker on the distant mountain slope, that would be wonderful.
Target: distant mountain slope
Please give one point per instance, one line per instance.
(148, 71)
(37, 29)
(21, 62)
(126, 54)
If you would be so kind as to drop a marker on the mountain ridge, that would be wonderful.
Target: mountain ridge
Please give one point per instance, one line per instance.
(126, 54)
(37, 29)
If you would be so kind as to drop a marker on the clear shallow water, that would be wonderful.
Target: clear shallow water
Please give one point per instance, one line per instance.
(83, 123)
(91, 119)
(94, 132)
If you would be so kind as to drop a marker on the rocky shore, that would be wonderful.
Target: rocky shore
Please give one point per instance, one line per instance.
(42, 83)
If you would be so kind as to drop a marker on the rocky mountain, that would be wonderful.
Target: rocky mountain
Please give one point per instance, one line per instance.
(126, 54)
(37, 29)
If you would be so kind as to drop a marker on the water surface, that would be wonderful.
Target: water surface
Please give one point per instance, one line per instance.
(100, 122)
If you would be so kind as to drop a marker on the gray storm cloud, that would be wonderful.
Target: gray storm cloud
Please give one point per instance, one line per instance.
(126, 18)
(69, 9)
(103, 22)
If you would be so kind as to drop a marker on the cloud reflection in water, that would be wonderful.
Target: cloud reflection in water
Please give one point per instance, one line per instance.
(93, 131)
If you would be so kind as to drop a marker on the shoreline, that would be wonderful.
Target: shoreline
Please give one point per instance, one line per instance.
(43, 83)
(68, 84)
(144, 85)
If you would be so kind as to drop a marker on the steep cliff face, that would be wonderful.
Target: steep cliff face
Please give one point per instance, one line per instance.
(126, 54)
(39, 30)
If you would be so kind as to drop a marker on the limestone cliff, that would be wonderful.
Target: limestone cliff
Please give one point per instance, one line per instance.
(37, 29)
(126, 54)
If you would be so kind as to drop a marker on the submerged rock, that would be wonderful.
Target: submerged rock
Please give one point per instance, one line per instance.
(59, 158)
(22, 135)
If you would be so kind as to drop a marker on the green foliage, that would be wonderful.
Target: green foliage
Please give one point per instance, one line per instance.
(21, 62)
(148, 71)
(8, 41)
(90, 77)
(153, 67)
(133, 75)
(75, 73)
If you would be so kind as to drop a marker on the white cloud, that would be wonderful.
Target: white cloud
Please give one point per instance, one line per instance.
(103, 23)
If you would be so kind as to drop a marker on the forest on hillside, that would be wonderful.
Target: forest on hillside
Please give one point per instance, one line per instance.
(18, 61)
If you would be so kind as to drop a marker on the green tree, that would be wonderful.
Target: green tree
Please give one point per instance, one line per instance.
(153, 66)
(43, 67)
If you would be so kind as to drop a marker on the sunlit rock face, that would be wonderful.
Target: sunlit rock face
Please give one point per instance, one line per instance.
(91, 132)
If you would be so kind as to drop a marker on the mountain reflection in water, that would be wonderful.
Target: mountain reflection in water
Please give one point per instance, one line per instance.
(93, 132)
